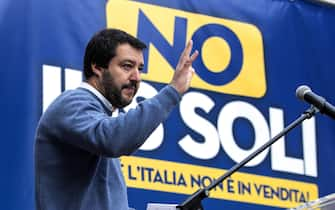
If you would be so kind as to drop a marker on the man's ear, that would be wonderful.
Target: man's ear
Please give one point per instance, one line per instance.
(97, 71)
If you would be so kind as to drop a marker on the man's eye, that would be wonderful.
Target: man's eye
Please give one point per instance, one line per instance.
(127, 66)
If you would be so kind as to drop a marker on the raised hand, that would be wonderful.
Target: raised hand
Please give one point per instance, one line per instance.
(184, 71)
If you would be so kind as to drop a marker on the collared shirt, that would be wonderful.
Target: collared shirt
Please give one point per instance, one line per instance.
(102, 98)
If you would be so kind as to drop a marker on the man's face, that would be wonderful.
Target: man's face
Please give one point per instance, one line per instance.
(122, 78)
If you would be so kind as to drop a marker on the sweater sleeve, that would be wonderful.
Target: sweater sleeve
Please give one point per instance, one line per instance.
(79, 121)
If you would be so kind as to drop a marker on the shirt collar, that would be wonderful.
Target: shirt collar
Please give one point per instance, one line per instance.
(102, 98)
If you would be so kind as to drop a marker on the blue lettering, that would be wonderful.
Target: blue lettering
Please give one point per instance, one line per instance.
(230, 186)
(158, 177)
(181, 180)
(234, 67)
(149, 34)
(130, 174)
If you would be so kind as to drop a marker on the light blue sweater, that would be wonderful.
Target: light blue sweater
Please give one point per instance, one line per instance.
(78, 144)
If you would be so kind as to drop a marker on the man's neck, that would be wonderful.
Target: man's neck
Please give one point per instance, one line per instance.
(93, 86)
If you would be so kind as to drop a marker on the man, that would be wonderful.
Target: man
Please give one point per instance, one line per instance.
(78, 143)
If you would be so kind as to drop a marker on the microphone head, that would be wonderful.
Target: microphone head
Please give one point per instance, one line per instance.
(301, 91)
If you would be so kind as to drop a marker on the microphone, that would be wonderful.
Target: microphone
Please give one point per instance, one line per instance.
(305, 93)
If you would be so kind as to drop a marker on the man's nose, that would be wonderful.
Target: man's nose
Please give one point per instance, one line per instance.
(136, 75)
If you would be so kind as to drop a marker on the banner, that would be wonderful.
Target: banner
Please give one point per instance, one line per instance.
(253, 56)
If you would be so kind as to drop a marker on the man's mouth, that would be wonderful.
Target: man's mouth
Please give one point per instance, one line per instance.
(130, 88)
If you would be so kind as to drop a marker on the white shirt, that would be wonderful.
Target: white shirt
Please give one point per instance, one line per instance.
(102, 98)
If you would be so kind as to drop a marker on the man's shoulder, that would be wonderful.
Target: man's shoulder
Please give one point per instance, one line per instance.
(75, 98)
(77, 94)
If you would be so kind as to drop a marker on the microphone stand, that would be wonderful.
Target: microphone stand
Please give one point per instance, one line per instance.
(194, 201)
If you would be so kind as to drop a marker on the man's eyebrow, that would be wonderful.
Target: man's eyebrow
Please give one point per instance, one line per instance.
(128, 60)
(132, 62)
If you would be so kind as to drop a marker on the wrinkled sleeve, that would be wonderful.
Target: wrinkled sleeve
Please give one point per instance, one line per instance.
(79, 121)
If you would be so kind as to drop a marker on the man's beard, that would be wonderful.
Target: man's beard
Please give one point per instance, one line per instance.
(113, 93)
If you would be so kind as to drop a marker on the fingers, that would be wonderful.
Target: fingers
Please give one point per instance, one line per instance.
(194, 55)
(187, 51)
(184, 71)
(185, 58)
(188, 48)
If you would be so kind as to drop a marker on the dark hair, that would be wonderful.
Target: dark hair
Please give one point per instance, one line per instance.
(102, 46)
